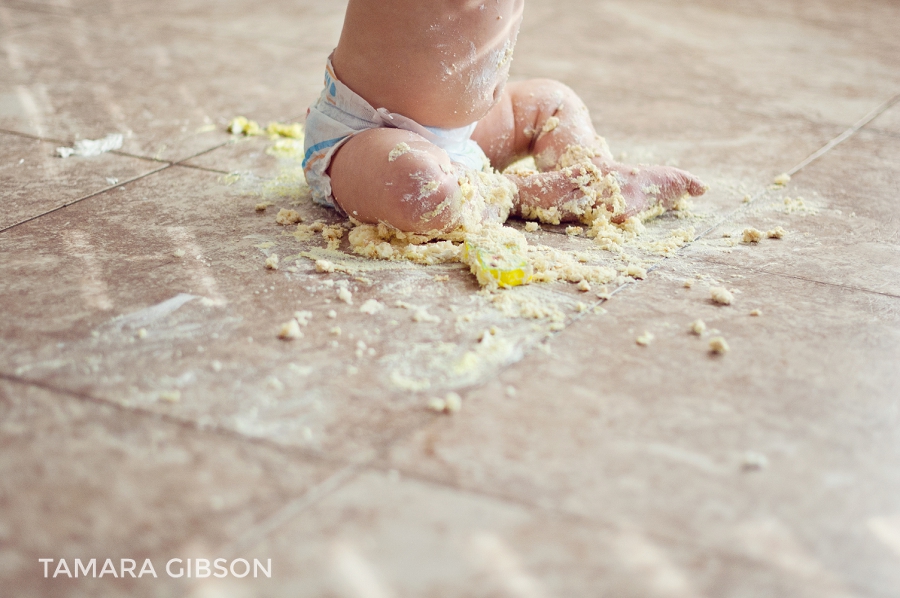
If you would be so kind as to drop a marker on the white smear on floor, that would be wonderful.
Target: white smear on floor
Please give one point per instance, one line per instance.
(94, 291)
(504, 564)
(149, 315)
(87, 148)
(649, 564)
(194, 259)
(887, 529)
(359, 574)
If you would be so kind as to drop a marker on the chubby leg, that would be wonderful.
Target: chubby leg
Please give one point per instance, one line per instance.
(544, 118)
(396, 177)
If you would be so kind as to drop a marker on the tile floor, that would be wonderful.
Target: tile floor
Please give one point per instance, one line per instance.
(581, 463)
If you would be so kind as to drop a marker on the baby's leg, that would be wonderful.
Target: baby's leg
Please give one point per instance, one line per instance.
(544, 118)
(396, 177)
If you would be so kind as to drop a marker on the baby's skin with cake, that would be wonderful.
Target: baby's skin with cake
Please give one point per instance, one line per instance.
(416, 100)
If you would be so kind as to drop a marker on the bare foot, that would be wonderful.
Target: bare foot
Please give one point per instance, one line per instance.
(646, 186)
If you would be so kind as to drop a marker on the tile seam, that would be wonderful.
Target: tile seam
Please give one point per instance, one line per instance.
(184, 424)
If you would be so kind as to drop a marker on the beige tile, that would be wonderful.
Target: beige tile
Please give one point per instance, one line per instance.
(660, 436)
(888, 122)
(18, 17)
(84, 480)
(36, 180)
(788, 61)
(386, 535)
(151, 81)
(846, 233)
(129, 321)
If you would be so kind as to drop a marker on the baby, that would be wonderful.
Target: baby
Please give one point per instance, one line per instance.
(416, 94)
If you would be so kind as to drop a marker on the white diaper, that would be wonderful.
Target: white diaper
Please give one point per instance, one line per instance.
(340, 113)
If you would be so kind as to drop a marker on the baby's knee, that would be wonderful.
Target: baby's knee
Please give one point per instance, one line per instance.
(424, 186)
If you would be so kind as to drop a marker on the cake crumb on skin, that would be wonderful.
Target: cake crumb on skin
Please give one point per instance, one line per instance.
(399, 150)
(698, 327)
(645, 339)
(718, 346)
(272, 262)
(752, 235)
(721, 296)
(290, 331)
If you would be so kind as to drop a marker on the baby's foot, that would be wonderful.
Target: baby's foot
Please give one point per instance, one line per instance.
(646, 186)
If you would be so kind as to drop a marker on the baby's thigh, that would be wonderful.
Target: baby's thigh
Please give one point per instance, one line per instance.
(393, 176)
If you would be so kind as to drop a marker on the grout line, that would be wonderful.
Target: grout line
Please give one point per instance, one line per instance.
(185, 424)
(262, 530)
(875, 113)
(35, 137)
(809, 280)
(89, 196)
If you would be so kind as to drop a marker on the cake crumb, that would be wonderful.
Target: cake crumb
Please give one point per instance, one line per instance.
(371, 307)
(303, 317)
(747, 199)
(721, 295)
(421, 315)
(290, 331)
(170, 396)
(584, 286)
(272, 262)
(574, 230)
(324, 266)
(636, 271)
(345, 295)
(179, 253)
(531, 227)
(142, 333)
(756, 313)
(754, 461)
(336, 331)
(698, 327)
(261, 207)
(442, 278)
(688, 283)
(645, 339)
(776, 233)
(216, 366)
(332, 314)
(286, 217)
(751, 235)
(511, 391)
(718, 345)
(782, 179)
(450, 404)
